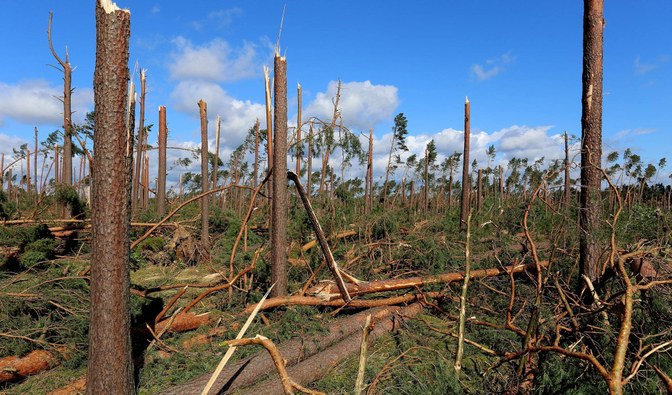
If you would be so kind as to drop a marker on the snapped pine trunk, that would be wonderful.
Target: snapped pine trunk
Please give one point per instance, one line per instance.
(279, 180)
(161, 181)
(205, 228)
(110, 365)
(466, 184)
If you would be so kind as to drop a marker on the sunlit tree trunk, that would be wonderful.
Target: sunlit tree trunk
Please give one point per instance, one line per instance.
(110, 367)
(279, 206)
(466, 184)
(591, 139)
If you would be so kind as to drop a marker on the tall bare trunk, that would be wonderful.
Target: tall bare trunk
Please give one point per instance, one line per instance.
(327, 148)
(66, 68)
(309, 183)
(466, 184)
(215, 169)
(110, 365)
(161, 180)
(368, 192)
(256, 153)
(140, 149)
(591, 139)
(269, 120)
(279, 206)
(298, 132)
(479, 191)
(567, 190)
(205, 229)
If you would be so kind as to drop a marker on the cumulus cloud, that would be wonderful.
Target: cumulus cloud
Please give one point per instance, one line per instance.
(492, 67)
(34, 102)
(642, 68)
(362, 104)
(237, 116)
(216, 60)
(634, 132)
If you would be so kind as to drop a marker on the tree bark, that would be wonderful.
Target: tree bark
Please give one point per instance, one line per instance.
(110, 365)
(368, 192)
(161, 181)
(205, 229)
(215, 166)
(298, 132)
(591, 139)
(139, 149)
(466, 184)
(279, 206)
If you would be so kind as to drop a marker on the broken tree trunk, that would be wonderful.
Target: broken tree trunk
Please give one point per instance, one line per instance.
(110, 363)
(205, 230)
(161, 182)
(315, 367)
(328, 292)
(279, 180)
(14, 368)
(248, 371)
(466, 184)
(331, 262)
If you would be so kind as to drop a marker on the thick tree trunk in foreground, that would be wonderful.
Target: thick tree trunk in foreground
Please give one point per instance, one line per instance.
(205, 229)
(161, 181)
(110, 365)
(466, 184)
(591, 139)
(279, 206)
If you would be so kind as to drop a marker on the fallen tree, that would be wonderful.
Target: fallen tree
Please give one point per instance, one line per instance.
(250, 370)
(327, 294)
(15, 368)
(313, 368)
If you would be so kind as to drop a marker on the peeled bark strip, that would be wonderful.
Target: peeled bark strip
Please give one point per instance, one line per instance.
(251, 370)
(110, 364)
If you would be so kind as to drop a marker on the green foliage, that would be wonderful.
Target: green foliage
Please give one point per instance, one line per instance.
(67, 195)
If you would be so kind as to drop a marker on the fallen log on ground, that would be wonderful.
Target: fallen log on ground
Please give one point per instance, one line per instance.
(15, 368)
(250, 370)
(328, 291)
(327, 294)
(339, 235)
(183, 322)
(356, 303)
(317, 366)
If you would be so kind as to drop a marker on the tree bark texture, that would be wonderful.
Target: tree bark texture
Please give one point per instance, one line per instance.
(110, 365)
(591, 139)
(205, 229)
(466, 184)
(279, 206)
(161, 181)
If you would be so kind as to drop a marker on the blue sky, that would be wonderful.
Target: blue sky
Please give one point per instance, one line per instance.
(518, 61)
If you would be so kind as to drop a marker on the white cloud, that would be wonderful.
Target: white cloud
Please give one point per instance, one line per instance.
(7, 143)
(642, 68)
(492, 67)
(237, 116)
(362, 104)
(216, 60)
(35, 102)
